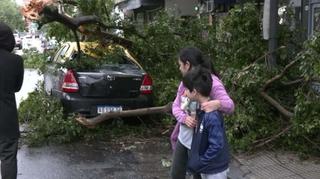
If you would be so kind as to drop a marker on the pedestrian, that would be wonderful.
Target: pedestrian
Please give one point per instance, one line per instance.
(209, 154)
(11, 77)
(181, 136)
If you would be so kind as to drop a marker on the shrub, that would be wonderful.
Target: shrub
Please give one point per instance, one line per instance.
(256, 121)
(45, 120)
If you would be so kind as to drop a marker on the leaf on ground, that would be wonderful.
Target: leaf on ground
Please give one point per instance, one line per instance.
(166, 163)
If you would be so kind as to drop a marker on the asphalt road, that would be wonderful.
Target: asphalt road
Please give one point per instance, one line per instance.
(121, 159)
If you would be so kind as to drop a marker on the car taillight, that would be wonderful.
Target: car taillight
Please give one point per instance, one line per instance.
(70, 84)
(146, 86)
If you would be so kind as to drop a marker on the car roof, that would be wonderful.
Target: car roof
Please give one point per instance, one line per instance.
(91, 45)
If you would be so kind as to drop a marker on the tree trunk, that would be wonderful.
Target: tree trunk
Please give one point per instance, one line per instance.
(91, 122)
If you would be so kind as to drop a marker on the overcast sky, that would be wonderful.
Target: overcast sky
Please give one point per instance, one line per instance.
(19, 2)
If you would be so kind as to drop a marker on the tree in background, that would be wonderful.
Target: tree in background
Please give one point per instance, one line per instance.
(9, 14)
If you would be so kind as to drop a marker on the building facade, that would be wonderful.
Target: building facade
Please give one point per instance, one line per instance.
(143, 10)
(307, 12)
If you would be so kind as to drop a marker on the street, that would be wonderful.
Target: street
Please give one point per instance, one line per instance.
(30, 80)
(96, 159)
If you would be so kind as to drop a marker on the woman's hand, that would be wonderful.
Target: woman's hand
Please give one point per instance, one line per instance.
(210, 105)
(191, 121)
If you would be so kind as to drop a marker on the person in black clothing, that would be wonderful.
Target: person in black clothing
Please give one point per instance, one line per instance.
(209, 153)
(11, 78)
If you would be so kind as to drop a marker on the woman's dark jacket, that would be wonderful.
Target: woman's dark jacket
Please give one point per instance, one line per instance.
(11, 77)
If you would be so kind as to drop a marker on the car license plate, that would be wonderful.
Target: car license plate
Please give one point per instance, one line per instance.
(106, 109)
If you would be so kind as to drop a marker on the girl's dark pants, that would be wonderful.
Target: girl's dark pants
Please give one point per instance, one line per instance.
(179, 163)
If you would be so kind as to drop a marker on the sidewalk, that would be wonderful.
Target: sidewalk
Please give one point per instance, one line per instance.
(146, 158)
(273, 165)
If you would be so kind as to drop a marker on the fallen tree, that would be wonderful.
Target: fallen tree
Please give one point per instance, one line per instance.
(48, 11)
(92, 122)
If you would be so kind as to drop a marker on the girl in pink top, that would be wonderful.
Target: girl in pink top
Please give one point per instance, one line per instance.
(181, 136)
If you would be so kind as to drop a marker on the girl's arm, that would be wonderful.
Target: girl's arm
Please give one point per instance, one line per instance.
(178, 113)
(220, 99)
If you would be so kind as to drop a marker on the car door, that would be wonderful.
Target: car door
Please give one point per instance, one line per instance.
(54, 74)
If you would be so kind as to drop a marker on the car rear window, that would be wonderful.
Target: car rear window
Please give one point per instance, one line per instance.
(111, 59)
(119, 60)
(94, 59)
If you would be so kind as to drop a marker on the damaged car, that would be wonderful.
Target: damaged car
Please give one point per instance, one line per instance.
(99, 79)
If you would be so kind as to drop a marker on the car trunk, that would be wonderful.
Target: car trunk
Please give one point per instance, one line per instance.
(111, 81)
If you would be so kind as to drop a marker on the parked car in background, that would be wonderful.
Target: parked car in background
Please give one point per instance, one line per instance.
(119, 83)
(18, 41)
(30, 42)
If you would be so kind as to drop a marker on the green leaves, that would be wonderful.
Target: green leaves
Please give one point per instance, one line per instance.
(96, 57)
(9, 14)
(100, 8)
(46, 121)
(239, 45)
(33, 59)
(239, 36)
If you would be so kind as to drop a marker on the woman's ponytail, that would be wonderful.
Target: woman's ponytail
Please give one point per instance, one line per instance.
(207, 63)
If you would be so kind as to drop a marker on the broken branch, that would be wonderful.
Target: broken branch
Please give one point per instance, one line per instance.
(314, 143)
(277, 105)
(91, 122)
(293, 82)
(265, 86)
(274, 137)
(107, 37)
(272, 101)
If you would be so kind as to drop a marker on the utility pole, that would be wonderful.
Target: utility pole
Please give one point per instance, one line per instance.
(273, 41)
(270, 30)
